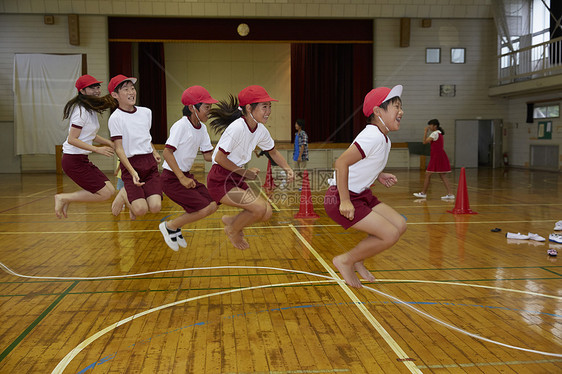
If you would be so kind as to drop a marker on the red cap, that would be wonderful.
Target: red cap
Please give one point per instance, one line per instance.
(253, 94)
(85, 81)
(118, 79)
(195, 95)
(379, 95)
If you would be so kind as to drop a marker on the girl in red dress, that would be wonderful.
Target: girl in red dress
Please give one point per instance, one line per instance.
(438, 162)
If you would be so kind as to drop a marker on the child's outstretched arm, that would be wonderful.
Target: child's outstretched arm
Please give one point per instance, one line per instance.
(280, 160)
(223, 161)
(125, 161)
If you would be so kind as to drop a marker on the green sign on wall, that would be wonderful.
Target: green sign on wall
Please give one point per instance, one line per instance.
(545, 130)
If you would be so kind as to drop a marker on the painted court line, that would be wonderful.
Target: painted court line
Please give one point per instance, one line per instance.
(380, 329)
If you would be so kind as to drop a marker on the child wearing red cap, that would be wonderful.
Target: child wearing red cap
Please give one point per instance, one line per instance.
(82, 111)
(129, 127)
(187, 136)
(243, 129)
(350, 202)
(438, 162)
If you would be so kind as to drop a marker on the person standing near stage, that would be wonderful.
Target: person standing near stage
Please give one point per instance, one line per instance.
(438, 161)
(82, 112)
(350, 201)
(187, 136)
(300, 154)
(242, 123)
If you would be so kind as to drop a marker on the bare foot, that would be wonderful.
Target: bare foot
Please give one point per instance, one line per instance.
(65, 209)
(228, 221)
(347, 271)
(363, 272)
(236, 238)
(117, 205)
(132, 215)
(60, 205)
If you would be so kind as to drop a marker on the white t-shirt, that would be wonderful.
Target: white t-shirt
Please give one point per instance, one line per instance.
(374, 147)
(238, 142)
(88, 123)
(134, 130)
(186, 140)
(435, 135)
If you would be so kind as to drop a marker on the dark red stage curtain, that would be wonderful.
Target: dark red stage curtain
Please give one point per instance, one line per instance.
(152, 88)
(120, 59)
(328, 84)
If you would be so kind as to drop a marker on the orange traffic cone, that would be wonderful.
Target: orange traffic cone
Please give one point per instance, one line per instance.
(461, 202)
(269, 184)
(306, 209)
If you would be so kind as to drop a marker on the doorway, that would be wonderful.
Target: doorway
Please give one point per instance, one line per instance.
(478, 143)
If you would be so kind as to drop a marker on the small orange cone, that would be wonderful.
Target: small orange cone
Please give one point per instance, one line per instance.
(269, 183)
(306, 209)
(461, 202)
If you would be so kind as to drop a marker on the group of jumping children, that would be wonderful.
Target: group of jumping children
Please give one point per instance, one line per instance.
(349, 200)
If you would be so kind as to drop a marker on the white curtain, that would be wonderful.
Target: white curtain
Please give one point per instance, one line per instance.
(43, 84)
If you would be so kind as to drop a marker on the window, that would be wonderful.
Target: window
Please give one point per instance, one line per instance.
(433, 55)
(547, 111)
(458, 56)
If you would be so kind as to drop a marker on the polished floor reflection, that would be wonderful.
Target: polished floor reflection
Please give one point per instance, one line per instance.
(103, 294)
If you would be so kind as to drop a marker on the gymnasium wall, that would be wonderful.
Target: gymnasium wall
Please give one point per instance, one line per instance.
(226, 68)
(22, 30)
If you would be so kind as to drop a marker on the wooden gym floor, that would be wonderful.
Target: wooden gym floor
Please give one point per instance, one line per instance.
(97, 294)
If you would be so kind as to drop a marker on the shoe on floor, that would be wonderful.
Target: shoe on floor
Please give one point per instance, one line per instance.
(179, 238)
(168, 238)
(558, 226)
(420, 195)
(552, 252)
(536, 237)
(555, 238)
(448, 197)
(512, 235)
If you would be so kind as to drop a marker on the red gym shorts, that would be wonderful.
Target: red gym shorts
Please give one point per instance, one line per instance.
(147, 169)
(363, 203)
(83, 172)
(221, 180)
(190, 199)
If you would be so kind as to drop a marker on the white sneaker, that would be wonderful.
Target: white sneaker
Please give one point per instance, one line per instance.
(171, 241)
(536, 237)
(555, 238)
(512, 235)
(448, 197)
(420, 194)
(181, 241)
(558, 226)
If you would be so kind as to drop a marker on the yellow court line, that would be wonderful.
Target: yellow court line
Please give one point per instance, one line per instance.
(271, 202)
(380, 329)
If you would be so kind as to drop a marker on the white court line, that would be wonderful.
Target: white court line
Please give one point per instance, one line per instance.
(8, 270)
(59, 369)
(380, 329)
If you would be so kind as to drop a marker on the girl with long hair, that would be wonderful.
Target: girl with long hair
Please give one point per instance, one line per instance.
(242, 123)
(82, 111)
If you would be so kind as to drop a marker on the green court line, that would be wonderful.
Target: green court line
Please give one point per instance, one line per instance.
(11, 347)
(553, 272)
(233, 288)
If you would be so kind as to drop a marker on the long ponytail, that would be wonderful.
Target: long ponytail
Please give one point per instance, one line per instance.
(226, 112)
(90, 103)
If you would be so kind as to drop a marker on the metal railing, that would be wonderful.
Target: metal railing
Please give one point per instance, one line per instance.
(535, 61)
